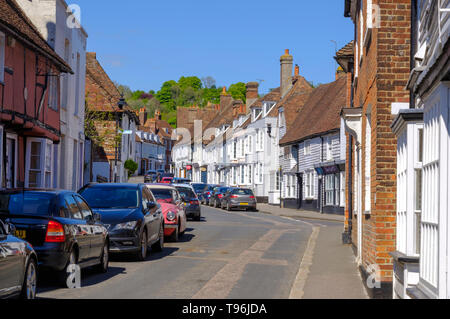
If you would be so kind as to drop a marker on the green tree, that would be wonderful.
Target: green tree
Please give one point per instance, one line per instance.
(238, 91)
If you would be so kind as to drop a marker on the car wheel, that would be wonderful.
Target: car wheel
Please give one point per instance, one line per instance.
(175, 234)
(64, 274)
(159, 245)
(198, 218)
(104, 260)
(30, 280)
(142, 253)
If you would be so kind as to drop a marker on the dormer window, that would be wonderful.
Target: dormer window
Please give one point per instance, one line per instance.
(267, 107)
(256, 113)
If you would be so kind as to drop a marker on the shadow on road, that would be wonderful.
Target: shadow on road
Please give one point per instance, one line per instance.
(48, 281)
(160, 255)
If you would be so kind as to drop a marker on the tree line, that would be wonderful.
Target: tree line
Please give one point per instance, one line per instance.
(185, 92)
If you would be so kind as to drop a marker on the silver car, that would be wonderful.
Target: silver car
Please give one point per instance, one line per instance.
(239, 198)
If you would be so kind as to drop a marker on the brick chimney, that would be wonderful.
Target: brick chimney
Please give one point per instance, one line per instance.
(286, 62)
(142, 116)
(225, 98)
(157, 115)
(340, 73)
(239, 108)
(252, 94)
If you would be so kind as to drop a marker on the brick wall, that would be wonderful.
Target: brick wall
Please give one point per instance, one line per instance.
(383, 74)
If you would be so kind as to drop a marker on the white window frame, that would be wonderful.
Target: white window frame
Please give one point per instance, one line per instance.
(367, 173)
(329, 148)
(2, 56)
(307, 148)
(329, 189)
(342, 189)
(309, 185)
(42, 170)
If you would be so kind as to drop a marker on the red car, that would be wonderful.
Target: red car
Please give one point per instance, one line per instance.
(166, 180)
(175, 221)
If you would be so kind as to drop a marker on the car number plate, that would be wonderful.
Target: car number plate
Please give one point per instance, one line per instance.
(22, 234)
(244, 204)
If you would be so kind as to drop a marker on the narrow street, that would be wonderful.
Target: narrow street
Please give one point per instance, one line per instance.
(227, 255)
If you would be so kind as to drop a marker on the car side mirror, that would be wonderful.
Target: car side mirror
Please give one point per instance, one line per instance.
(10, 229)
(97, 217)
(151, 205)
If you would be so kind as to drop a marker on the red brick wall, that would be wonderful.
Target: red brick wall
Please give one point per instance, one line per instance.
(383, 73)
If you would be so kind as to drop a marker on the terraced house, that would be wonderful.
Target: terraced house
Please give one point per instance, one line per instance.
(112, 127)
(30, 128)
(69, 42)
(422, 256)
(313, 151)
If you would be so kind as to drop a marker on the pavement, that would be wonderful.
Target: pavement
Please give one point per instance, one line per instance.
(298, 214)
(231, 255)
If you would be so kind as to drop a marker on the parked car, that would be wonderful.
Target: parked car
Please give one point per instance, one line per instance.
(18, 264)
(150, 176)
(178, 180)
(190, 200)
(166, 180)
(207, 192)
(217, 196)
(199, 189)
(130, 212)
(238, 198)
(61, 227)
(175, 220)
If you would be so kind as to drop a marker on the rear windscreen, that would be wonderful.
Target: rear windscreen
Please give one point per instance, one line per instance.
(186, 192)
(242, 192)
(199, 187)
(33, 204)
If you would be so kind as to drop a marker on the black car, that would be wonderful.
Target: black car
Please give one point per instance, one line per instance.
(199, 188)
(191, 202)
(130, 212)
(18, 265)
(207, 193)
(217, 195)
(61, 227)
(238, 198)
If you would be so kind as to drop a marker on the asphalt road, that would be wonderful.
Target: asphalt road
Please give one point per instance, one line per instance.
(226, 255)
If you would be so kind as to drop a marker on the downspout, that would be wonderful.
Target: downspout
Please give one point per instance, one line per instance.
(320, 179)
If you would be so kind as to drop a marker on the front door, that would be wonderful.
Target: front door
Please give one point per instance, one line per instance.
(10, 159)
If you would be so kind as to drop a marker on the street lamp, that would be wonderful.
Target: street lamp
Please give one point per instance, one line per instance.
(120, 104)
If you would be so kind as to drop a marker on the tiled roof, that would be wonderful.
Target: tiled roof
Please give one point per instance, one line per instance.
(15, 21)
(320, 113)
(346, 51)
(293, 100)
(272, 96)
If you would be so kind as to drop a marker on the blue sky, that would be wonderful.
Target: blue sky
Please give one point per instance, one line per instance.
(143, 43)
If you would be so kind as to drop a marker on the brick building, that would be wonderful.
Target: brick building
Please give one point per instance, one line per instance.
(29, 105)
(381, 70)
(111, 128)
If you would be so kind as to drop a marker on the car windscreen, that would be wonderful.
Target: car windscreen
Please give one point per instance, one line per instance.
(165, 195)
(186, 192)
(199, 187)
(27, 203)
(242, 192)
(111, 197)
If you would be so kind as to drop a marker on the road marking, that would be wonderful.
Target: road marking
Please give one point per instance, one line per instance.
(297, 291)
(220, 286)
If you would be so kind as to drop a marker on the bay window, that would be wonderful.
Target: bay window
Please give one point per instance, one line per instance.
(39, 163)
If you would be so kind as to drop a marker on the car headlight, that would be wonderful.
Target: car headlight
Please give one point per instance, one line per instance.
(171, 216)
(128, 225)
